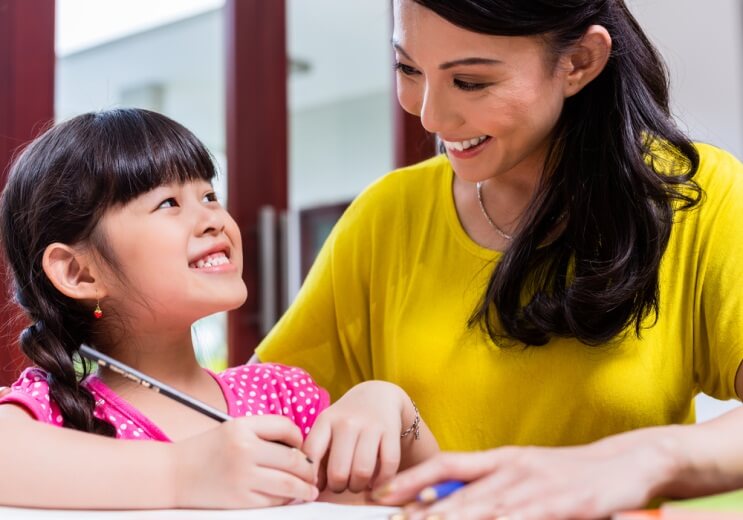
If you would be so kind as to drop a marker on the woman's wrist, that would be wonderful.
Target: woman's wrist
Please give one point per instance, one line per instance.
(670, 462)
(656, 455)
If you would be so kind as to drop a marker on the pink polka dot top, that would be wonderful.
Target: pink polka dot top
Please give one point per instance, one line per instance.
(266, 388)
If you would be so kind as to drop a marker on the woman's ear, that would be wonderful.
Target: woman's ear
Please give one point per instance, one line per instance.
(584, 61)
(72, 271)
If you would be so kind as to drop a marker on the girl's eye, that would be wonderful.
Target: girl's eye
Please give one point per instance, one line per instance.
(405, 69)
(211, 197)
(469, 85)
(168, 203)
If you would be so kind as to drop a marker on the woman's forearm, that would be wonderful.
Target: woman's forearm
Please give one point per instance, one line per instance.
(684, 460)
(54, 467)
(710, 456)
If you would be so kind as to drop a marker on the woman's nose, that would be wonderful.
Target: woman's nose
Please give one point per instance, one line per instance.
(438, 115)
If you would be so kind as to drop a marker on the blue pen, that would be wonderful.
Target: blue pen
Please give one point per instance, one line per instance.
(439, 491)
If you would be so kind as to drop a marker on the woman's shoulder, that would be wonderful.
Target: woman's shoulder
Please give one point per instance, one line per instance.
(416, 180)
(410, 190)
(719, 170)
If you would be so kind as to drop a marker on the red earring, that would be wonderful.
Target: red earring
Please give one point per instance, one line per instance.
(97, 312)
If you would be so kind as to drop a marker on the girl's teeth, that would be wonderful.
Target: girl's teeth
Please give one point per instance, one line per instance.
(211, 261)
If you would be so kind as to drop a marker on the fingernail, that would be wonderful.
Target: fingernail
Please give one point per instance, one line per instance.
(382, 492)
(398, 516)
(434, 517)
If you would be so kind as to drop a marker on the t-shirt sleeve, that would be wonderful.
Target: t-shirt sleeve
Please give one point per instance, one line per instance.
(326, 330)
(272, 388)
(31, 392)
(719, 345)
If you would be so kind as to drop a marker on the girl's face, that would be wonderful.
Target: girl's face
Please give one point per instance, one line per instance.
(492, 100)
(179, 251)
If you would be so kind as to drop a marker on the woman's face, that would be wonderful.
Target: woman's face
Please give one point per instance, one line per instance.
(492, 100)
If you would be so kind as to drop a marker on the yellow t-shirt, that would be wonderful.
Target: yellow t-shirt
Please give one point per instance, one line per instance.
(392, 289)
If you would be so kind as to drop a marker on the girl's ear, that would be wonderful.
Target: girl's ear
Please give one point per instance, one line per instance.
(586, 59)
(72, 271)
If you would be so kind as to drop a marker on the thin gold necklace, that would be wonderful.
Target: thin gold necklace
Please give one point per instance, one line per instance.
(487, 217)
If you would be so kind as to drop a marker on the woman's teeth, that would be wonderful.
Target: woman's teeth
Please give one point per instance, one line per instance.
(464, 145)
(210, 261)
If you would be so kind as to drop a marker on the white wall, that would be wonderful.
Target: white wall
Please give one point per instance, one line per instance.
(702, 43)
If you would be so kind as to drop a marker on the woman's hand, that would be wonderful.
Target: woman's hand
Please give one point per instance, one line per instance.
(358, 437)
(585, 482)
(237, 466)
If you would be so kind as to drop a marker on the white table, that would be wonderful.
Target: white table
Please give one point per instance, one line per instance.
(313, 511)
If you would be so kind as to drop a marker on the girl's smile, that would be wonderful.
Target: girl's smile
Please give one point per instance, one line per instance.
(184, 228)
(214, 260)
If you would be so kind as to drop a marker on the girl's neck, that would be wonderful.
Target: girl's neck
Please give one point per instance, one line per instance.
(168, 357)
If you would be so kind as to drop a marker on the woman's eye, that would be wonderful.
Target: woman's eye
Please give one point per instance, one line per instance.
(168, 203)
(211, 197)
(405, 69)
(469, 85)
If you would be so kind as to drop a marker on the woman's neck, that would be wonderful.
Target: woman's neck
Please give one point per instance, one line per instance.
(504, 199)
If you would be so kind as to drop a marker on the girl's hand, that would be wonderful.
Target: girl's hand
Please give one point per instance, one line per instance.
(358, 437)
(236, 466)
(586, 482)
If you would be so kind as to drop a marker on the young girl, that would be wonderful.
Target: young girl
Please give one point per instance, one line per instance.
(115, 238)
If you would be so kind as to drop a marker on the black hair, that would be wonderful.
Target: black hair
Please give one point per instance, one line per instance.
(58, 189)
(617, 170)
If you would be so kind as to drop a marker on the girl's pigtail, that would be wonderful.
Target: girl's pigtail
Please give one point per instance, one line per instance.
(51, 347)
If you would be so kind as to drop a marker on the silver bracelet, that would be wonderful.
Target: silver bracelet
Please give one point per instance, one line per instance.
(414, 428)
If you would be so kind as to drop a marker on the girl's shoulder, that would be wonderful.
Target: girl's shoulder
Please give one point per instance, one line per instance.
(31, 392)
(273, 388)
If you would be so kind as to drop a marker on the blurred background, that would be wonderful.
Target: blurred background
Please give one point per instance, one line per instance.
(295, 99)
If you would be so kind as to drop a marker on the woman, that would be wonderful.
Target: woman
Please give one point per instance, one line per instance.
(565, 273)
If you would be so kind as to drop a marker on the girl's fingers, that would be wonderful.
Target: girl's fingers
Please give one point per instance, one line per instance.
(317, 441)
(281, 485)
(269, 428)
(389, 459)
(288, 460)
(342, 447)
(364, 460)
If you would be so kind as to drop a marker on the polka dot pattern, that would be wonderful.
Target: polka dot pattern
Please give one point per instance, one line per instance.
(267, 388)
(272, 388)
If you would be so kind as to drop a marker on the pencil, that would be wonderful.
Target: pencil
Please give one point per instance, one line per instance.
(439, 491)
(158, 386)
(152, 383)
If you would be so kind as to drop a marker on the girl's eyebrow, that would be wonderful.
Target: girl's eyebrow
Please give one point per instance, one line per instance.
(454, 63)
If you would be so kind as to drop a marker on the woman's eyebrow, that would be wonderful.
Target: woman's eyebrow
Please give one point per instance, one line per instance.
(454, 63)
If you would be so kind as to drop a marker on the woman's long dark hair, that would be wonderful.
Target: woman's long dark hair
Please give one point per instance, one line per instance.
(617, 169)
(57, 191)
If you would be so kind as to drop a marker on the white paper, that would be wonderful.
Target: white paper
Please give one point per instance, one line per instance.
(313, 511)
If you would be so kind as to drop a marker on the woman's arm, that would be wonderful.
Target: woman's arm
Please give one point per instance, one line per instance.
(231, 466)
(620, 472)
(712, 454)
